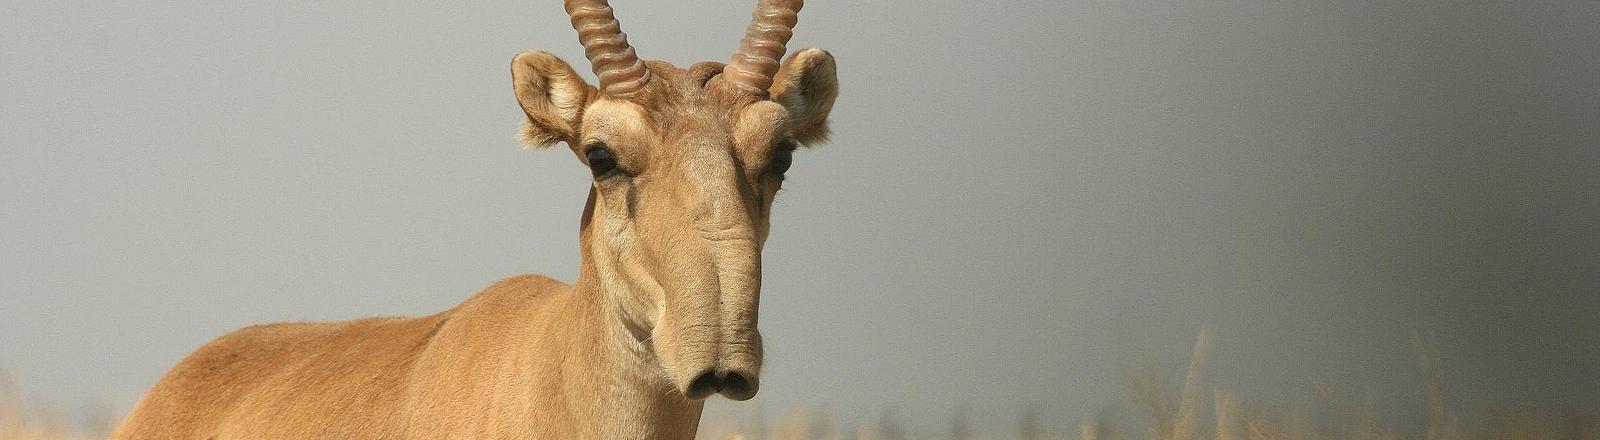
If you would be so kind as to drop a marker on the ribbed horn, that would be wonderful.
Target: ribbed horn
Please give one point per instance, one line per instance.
(614, 61)
(762, 49)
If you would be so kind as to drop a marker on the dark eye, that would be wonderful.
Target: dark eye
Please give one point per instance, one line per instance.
(782, 158)
(601, 161)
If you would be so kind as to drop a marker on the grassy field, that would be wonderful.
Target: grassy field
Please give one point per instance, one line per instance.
(16, 423)
(1190, 413)
(1193, 413)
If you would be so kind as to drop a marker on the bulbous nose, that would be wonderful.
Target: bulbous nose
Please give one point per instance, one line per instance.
(733, 384)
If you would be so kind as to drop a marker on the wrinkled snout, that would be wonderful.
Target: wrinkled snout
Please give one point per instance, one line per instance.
(709, 339)
(714, 285)
(719, 357)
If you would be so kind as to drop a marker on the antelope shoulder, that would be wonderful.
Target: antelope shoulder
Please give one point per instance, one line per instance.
(349, 379)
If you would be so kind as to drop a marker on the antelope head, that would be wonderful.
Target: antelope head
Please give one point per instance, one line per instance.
(686, 163)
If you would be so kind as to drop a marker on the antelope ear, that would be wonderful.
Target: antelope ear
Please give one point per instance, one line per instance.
(807, 85)
(552, 95)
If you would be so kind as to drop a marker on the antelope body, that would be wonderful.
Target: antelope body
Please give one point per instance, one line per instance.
(686, 163)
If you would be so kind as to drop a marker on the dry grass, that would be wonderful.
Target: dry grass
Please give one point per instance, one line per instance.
(1184, 417)
(17, 423)
(1181, 417)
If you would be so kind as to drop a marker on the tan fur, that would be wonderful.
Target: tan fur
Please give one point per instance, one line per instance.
(668, 290)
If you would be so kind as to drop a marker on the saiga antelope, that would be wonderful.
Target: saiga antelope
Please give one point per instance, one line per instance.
(686, 163)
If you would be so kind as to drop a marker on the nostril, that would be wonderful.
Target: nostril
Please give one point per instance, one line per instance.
(702, 386)
(737, 387)
(734, 381)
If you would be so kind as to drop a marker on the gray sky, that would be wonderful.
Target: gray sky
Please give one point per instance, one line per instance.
(1017, 200)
